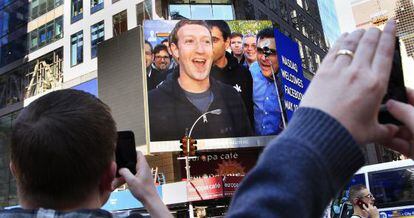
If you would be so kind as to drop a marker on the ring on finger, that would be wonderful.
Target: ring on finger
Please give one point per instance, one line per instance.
(345, 52)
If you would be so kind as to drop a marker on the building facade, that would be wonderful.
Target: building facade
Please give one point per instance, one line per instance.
(330, 22)
(374, 13)
(47, 45)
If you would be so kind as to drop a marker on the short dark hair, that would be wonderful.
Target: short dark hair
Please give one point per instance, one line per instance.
(165, 40)
(235, 34)
(173, 35)
(222, 26)
(61, 145)
(148, 43)
(160, 47)
(265, 33)
(355, 191)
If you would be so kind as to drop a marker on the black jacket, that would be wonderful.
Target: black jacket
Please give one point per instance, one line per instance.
(240, 78)
(155, 77)
(171, 113)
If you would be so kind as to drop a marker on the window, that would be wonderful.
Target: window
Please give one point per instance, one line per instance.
(120, 24)
(42, 36)
(76, 10)
(46, 34)
(34, 9)
(49, 32)
(40, 7)
(97, 36)
(96, 5)
(59, 28)
(142, 13)
(76, 48)
(201, 9)
(33, 40)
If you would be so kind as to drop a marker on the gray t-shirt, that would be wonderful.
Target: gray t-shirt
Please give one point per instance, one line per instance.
(202, 100)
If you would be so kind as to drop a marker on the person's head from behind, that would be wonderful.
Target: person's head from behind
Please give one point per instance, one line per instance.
(161, 57)
(249, 48)
(148, 53)
(62, 151)
(236, 44)
(167, 43)
(266, 52)
(191, 44)
(220, 33)
(360, 193)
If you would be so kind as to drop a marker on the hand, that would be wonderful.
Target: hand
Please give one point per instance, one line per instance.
(404, 139)
(142, 187)
(371, 210)
(351, 89)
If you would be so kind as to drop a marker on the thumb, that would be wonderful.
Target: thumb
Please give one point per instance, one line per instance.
(403, 112)
(128, 176)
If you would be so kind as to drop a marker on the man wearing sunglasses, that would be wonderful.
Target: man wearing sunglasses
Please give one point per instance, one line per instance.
(363, 202)
(267, 113)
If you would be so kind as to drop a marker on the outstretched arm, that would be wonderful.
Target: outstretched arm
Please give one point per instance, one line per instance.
(304, 167)
(142, 187)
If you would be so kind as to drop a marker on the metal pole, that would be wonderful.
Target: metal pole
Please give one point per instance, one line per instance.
(187, 169)
(278, 94)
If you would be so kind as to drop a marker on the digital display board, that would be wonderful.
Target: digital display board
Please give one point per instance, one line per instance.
(223, 82)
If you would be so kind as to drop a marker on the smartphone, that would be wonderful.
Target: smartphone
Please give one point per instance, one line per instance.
(125, 153)
(396, 88)
(360, 203)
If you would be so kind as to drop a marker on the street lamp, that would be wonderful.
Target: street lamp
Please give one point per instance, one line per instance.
(187, 158)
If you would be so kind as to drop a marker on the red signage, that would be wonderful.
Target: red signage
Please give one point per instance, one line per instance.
(205, 189)
(222, 163)
(213, 187)
(231, 183)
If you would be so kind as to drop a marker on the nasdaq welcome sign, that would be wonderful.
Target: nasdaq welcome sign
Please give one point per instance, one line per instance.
(294, 84)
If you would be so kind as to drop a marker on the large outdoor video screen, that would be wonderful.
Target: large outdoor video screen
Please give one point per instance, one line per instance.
(228, 84)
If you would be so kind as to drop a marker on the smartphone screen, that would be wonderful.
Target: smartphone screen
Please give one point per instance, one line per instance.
(396, 88)
(125, 153)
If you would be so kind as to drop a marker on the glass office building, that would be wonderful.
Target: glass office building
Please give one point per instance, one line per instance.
(330, 22)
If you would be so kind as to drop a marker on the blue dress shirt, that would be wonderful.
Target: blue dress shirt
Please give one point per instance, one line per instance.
(267, 116)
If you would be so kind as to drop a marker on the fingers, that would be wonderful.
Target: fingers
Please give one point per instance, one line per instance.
(382, 61)
(384, 133)
(331, 56)
(402, 112)
(141, 161)
(404, 133)
(117, 182)
(410, 95)
(127, 175)
(367, 47)
(402, 146)
(350, 43)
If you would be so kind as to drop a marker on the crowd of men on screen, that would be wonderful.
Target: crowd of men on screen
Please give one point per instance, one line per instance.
(203, 66)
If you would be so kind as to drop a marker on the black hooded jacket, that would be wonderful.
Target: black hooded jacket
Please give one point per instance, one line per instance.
(171, 113)
(240, 78)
